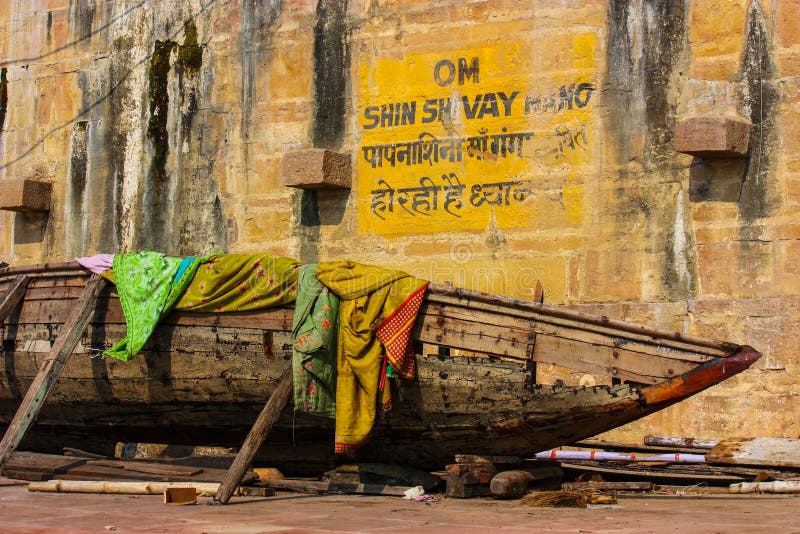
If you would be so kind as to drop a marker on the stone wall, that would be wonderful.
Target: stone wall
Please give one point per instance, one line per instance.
(493, 143)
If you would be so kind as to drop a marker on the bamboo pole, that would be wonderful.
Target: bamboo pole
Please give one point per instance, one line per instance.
(261, 428)
(12, 297)
(119, 487)
(51, 368)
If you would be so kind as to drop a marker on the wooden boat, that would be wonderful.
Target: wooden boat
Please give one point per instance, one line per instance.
(203, 378)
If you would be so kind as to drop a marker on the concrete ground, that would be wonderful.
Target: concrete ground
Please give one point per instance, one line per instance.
(21, 511)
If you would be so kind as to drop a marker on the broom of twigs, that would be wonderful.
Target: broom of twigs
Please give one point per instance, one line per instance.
(566, 499)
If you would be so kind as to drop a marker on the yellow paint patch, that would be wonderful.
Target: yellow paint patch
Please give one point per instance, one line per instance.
(452, 140)
(573, 204)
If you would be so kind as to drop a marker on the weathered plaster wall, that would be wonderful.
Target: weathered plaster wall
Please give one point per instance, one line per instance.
(162, 124)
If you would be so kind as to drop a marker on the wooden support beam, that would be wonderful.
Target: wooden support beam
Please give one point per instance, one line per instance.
(261, 428)
(51, 369)
(12, 297)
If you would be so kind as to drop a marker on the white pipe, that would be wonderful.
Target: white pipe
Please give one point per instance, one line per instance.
(676, 457)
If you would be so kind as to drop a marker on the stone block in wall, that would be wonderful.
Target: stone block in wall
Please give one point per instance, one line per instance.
(25, 195)
(316, 168)
(713, 137)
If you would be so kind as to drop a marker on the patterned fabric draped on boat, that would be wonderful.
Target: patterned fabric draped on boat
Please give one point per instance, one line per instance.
(148, 289)
(369, 296)
(314, 346)
(241, 282)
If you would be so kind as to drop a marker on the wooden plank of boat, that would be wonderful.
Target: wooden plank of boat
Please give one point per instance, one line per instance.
(771, 452)
(12, 296)
(50, 371)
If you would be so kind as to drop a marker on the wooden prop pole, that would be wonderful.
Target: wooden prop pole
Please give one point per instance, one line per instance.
(261, 428)
(51, 368)
(12, 297)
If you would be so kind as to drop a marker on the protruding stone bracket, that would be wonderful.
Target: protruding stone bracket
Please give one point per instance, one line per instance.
(713, 137)
(316, 168)
(25, 195)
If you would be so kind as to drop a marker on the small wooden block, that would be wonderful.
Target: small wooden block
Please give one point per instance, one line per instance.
(316, 168)
(180, 496)
(713, 137)
(469, 479)
(25, 195)
(256, 491)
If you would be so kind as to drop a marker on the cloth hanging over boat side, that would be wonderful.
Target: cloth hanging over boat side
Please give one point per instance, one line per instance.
(241, 282)
(369, 296)
(148, 289)
(98, 264)
(314, 345)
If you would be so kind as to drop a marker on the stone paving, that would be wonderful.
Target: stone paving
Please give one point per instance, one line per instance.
(21, 511)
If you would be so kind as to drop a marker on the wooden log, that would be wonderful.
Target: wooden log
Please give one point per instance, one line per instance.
(261, 428)
(771, 452)
(514, 484)
(12, 297)
(671, 441)
(51, 369)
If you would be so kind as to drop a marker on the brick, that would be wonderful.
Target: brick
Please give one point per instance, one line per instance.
(713, 137)
(316, 168)
(25, 195)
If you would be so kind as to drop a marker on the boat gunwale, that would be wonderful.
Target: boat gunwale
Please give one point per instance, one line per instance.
(465, 297)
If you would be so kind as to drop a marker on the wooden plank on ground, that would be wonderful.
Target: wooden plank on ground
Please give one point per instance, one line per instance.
(148, 467)
(655, 474)
(41, 463)
(51, 369)
(774, 452)
(12, 296)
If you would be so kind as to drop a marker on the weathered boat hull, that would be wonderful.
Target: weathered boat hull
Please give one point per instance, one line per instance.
(203, 378)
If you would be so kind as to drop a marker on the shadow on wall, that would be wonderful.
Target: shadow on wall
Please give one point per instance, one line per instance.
(30, 227)
(716, 180)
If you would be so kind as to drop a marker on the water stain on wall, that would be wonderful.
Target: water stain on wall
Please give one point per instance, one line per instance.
(75, 210)
(646, 50)
(331, 67)
(256, 34)
(759, 99)
(81, 17)
(331, 83)
(3, 97)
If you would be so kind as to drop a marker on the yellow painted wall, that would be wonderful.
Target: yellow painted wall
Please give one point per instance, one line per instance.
(591, 199)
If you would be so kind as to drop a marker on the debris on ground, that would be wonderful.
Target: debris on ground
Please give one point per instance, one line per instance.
(566, 499)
